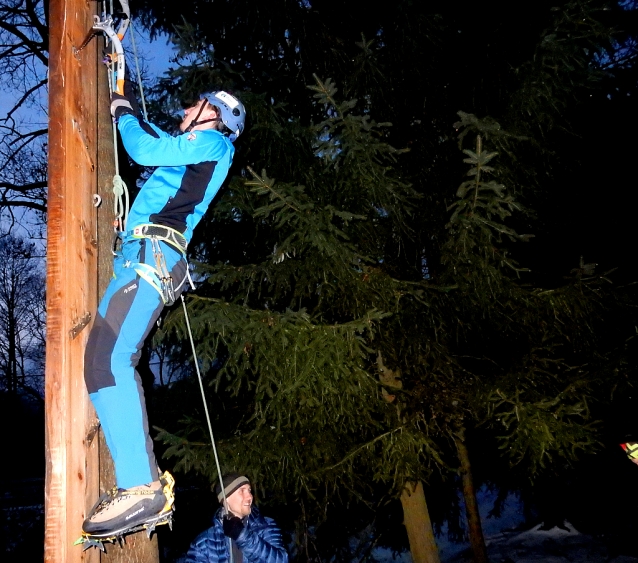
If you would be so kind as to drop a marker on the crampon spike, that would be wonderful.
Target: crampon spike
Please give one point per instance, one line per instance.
(88, 541)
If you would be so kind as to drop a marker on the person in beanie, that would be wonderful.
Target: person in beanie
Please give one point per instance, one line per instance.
(239, 530)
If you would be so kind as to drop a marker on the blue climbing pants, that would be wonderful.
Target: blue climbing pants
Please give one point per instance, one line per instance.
(129, 309)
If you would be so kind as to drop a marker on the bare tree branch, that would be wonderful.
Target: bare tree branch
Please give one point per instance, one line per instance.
(23, 187)
(34, 46)
(23, 65)
(13, 19)
(41, 26)
(24, 98)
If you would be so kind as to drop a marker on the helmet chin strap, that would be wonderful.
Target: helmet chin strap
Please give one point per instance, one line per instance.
(196, 121)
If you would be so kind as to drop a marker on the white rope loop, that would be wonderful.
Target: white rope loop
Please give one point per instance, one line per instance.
(120, 203)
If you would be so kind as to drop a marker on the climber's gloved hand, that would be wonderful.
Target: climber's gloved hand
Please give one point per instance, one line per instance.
(130, 89)
(120, 105)
(232, 526)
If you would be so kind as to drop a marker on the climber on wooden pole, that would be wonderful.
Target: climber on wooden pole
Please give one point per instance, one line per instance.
(150, 271)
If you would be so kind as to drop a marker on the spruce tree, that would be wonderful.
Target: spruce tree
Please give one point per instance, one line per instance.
(351, 375)
(296, 329)
(336, 391)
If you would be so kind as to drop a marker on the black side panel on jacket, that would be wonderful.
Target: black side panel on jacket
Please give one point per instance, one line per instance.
(190, 193)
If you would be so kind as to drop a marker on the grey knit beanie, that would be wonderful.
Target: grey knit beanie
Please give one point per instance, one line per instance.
(232, 482)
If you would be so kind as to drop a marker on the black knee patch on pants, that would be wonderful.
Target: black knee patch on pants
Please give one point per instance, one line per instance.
(97, 356)
(104, 334)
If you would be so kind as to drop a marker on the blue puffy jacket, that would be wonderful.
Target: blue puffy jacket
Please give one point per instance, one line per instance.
(260, 542)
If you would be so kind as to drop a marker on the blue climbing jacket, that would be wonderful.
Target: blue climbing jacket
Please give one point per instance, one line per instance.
(260, 542)
(191, 169)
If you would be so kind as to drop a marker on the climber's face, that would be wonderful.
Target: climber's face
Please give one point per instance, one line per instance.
(201, 111)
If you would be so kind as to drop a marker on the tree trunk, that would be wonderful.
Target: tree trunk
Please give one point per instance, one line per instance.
(477, 541)
(12, 365)
(418, 525)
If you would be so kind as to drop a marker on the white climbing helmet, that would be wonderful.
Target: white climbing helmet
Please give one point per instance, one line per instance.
(233, 112)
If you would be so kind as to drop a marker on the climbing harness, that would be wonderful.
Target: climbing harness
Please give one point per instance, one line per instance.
(159, 276)
(168, 235)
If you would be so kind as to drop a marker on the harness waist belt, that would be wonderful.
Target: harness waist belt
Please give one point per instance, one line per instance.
(171, 236)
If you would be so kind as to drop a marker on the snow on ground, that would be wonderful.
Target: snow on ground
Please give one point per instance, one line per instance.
(551, 546)
(508, 542)
(531, 546)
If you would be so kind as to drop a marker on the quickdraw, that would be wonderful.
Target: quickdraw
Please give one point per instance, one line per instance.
(159, 276)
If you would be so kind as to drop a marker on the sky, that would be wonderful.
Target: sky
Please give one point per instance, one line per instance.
(507, 542)
(154, 57)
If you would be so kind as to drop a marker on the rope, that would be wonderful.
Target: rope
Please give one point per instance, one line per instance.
(121, 201)
(201, 387)
(210, 427)
(137, 70)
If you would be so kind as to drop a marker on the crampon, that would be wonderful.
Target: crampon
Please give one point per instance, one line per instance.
(121, 512)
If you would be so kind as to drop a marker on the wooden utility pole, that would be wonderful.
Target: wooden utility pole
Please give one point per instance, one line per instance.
(79, 257)
(71, 447)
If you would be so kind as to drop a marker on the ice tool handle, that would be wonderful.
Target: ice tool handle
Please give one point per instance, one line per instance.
(106, 26)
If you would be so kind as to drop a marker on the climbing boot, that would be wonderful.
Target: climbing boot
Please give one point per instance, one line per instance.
(122, 511)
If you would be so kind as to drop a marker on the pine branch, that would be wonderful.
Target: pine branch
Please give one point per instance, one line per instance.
(365, 446)
(265, 185)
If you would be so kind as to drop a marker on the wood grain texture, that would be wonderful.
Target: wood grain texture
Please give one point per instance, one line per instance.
(79, 238)
(71, 288)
